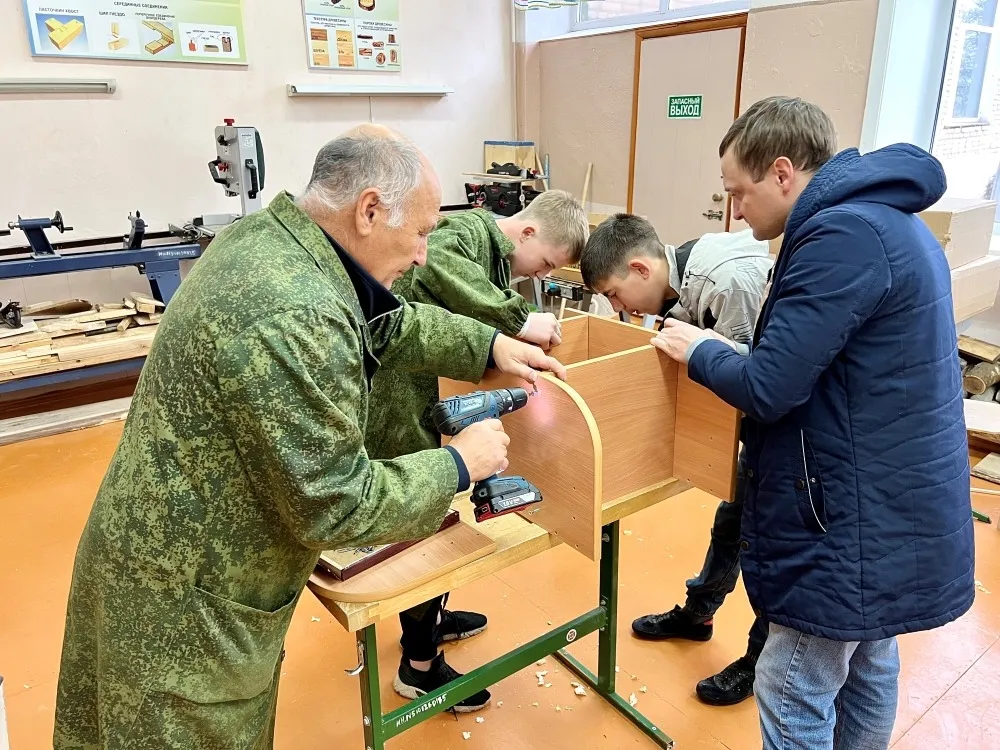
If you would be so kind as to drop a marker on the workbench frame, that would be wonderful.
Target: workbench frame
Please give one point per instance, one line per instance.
(379, 727)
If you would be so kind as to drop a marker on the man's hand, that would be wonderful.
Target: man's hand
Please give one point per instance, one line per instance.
(542, 329)
(524, 360)
(483, 448)
(676, 337)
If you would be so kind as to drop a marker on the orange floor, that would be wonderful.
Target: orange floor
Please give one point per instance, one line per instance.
(950, 687)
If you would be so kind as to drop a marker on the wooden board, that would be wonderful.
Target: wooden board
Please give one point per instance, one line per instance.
(63, 420)
(612, 336)
(555, 445)
(706, 435)
(424, 561)
(988, 468)
(632, 397)
(977, 349)
(575, 346)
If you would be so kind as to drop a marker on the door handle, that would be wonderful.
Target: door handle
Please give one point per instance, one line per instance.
(718, 197)
(713, 215)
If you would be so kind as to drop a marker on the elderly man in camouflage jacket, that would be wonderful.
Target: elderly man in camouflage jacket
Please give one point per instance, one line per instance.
(242, 457)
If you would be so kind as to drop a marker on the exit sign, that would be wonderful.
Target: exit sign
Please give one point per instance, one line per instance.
(684, 107)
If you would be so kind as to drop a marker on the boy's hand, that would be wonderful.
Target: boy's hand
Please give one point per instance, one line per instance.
(542, 329)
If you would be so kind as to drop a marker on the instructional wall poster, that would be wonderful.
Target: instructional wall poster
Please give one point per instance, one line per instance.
(201, 31)
(353, 34)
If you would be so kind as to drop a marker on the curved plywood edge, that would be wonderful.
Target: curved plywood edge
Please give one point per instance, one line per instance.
(430, 558)
(555, 445)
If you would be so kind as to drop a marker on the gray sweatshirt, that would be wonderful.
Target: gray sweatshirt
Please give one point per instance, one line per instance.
(721, 280)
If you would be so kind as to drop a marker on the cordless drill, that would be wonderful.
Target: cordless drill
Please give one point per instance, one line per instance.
(497, 495)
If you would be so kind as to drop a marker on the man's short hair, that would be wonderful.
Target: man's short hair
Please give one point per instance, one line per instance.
(562, 222)
(614, 243)
(781, 126)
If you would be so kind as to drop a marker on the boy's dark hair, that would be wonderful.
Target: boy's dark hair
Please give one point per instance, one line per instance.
(614, 243)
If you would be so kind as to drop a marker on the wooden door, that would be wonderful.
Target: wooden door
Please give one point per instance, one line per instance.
(686, 99)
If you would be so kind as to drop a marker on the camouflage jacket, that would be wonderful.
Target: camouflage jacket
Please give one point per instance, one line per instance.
(467, 272)
(241, 459)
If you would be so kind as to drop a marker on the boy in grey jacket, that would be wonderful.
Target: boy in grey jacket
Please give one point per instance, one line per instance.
(716, 282)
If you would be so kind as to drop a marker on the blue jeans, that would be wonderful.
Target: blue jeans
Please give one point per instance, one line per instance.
(721, 570)
(815, 694)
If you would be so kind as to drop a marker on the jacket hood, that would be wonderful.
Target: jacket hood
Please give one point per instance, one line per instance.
(901, 176)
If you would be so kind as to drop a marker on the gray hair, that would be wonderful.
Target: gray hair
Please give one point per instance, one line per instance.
(352, 163)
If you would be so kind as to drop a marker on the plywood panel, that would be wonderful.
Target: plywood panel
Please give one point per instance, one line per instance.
(586, 113)
(705, 438)
(428, 559)
(575, 345)
(705, 64)
(613, 336)
(632, 398)
(554, 444)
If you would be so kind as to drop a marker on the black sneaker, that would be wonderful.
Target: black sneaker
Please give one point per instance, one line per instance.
(457, 626)
(732, 685)
(677, 623)
(412, 684)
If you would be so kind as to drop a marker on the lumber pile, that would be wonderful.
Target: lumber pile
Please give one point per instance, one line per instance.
(65, 335)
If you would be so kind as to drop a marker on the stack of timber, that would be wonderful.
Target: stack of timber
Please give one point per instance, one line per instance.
(56, 336)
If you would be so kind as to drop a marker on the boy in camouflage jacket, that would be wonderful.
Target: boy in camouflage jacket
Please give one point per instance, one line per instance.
(471, 259)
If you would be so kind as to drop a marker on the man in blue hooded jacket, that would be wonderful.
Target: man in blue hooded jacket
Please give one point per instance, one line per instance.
(857, 520)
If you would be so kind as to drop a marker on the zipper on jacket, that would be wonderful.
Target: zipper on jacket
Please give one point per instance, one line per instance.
(805, 469)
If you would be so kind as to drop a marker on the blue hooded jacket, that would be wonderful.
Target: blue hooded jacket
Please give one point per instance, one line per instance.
(857, 521)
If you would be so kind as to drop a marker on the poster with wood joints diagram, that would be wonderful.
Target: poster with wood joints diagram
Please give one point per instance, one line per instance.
(196, 31)
(353, 34)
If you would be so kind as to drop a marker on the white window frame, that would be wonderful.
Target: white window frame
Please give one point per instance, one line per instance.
(663, 15)
(988, 90)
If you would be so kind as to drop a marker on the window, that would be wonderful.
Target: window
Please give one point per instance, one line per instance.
(973, 35)
(626, 12)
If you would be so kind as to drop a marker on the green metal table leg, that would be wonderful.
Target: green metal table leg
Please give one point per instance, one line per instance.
(371, 697)
(604, 682)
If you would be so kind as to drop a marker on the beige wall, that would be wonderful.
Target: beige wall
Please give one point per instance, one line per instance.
(819, 51)
(98, 158)
(579, 89)
(586, 112)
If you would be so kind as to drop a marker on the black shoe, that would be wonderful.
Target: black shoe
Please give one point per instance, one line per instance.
(731, 686)
(412, 684)
(676, 623)
(457, 626)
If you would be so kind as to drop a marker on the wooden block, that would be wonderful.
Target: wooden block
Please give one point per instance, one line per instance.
(148, 320)
(21, 339)
(157, 46)
(981, 376)
(988, 468)
(99, 316)
(64, 420)
(555, 445)
(117, 44)
(424, 561)
(52, 24)
(974, 287)
(145, 304)
(66, 34)
(166, 33)
(115, 29)
(125, 324)
(706, 436)
(963, 226)
(64, 307)
(344, 564)
(978, 350)
(129, 303)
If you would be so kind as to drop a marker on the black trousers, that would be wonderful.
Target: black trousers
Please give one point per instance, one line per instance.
(721, 570)
(420, 627)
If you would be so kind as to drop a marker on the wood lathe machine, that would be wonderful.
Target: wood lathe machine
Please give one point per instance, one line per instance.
(238, 167)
